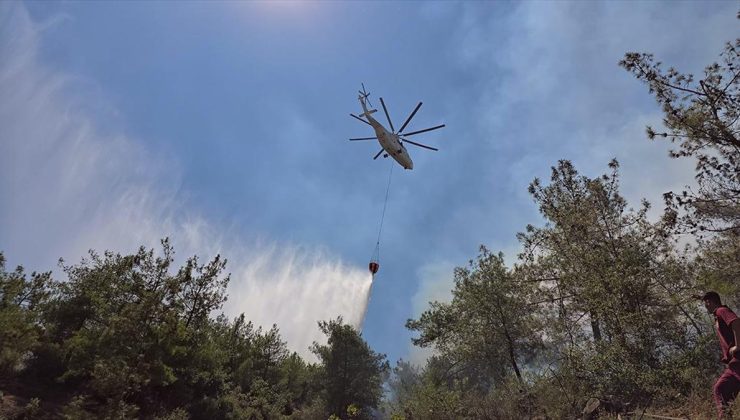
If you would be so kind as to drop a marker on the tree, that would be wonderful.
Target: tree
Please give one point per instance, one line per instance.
(402, 384)
(21, 303)
(353, 374)
(134, 333)
(427, 393)
(598, 261)
(128, 336)
(487, 331)
(702, 117)
(717, 265)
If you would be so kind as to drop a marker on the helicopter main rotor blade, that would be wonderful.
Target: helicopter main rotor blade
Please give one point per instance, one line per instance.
(420, 145)
(381, 151)
(409, 118)
(423, 131)
(363, 138)
(386, 115)
(361, 119)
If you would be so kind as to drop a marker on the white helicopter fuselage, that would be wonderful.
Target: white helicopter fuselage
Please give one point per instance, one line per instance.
(390, 142)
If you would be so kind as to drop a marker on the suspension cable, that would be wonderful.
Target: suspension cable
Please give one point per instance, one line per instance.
(382, 218)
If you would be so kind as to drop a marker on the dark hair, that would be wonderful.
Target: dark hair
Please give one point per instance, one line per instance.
(712, 297)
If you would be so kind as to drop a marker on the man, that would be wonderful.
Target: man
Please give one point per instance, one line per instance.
(728, 331)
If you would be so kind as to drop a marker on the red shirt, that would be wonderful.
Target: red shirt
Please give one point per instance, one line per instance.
(723, 317)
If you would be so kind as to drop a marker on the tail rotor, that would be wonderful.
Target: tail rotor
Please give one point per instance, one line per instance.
(365, 94)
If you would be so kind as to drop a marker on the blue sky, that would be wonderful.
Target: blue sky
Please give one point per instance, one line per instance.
(223, 125)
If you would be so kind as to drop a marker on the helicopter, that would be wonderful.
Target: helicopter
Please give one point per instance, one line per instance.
(392, 142)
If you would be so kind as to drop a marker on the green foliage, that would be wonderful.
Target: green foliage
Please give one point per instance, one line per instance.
(352, 374)
(486, 331)
(424, 393)
(702, 117)
(614, 268)
(595, 260)
(718, 267)
(600, 304)
(130, 331)
(21, 303)
(127, 336)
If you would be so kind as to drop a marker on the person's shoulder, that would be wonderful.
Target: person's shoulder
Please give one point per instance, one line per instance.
(725, 313)
(724, 308)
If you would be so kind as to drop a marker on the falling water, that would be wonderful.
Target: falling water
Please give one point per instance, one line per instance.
(295, 289)
(364, 306)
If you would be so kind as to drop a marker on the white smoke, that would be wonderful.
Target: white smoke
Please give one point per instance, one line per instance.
(70, 183)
